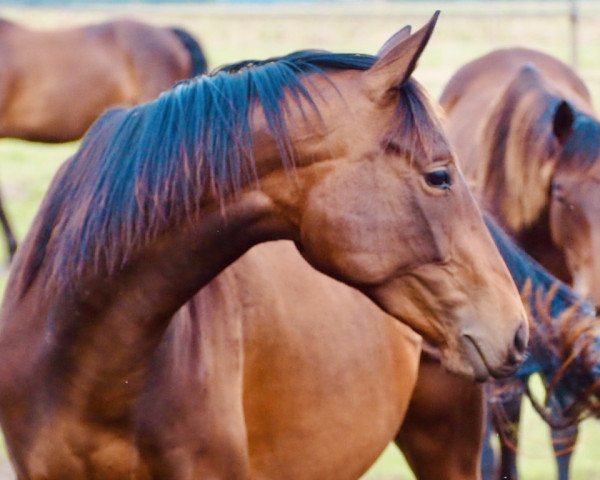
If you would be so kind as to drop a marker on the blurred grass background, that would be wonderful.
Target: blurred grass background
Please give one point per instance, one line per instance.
(231, 33)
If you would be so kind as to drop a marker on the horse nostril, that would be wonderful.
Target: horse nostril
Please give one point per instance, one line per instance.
(521, 340)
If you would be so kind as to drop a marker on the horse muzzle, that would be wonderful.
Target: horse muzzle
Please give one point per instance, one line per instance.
(481, 364)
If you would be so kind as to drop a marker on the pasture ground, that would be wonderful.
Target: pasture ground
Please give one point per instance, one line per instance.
(465, 31)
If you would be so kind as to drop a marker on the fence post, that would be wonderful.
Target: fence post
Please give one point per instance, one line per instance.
(574, 21)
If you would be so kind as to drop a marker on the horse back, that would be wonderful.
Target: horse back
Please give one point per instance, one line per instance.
(56, 83)
(490, 74)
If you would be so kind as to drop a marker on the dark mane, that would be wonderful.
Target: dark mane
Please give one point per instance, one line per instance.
(144, 169)
(411, 133)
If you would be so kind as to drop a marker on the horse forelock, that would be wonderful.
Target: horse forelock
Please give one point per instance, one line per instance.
(417, 128)
(142, 170)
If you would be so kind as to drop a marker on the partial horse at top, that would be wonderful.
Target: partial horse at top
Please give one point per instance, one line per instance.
(55, 83)
(341, 153)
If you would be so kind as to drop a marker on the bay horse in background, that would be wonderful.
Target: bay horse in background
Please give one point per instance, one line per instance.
(564, 349)
(55, 83)
(527, 137)
(341, 153)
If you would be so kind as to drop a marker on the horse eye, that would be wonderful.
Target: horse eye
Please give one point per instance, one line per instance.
(439, 179)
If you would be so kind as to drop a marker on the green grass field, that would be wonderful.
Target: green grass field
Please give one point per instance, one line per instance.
(231, 34)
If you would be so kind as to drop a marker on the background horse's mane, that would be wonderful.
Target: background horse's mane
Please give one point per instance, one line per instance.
(142, 170)
(525, 269)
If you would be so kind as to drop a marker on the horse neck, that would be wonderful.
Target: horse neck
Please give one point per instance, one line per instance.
(111, 324)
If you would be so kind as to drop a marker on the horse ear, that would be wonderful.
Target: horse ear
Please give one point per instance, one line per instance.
(396, 38)
(398, 59)
(562, 123)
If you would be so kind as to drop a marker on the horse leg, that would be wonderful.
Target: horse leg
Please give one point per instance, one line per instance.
(508, 427)
(563, 443)
(488, 457)
(442, 433)
(8, 233)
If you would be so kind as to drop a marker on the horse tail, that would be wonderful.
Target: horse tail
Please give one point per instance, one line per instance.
(199, 64)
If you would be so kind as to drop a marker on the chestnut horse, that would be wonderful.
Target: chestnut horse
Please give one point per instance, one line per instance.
(341, 153)
(54, 84)
(526, 135)
(564, 349)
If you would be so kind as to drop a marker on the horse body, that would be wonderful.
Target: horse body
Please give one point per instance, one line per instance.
(161, 198)
(314, 408)
(54, 84)
(292, 344)
(313, 360)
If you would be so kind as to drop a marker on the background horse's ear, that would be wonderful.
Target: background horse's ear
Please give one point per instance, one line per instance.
(396, 38)
(562, 124)
(399, 56)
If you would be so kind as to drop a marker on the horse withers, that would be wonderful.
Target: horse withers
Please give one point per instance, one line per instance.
(341, 153)
(55, 83)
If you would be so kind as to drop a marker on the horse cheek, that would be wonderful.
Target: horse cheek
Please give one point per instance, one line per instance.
(360, 239)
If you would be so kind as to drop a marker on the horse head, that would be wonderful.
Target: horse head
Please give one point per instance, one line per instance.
(425, 256)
